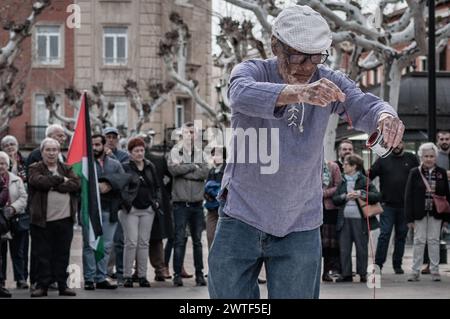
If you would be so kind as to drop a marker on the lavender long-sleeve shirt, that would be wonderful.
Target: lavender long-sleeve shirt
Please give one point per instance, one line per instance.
(290, 199)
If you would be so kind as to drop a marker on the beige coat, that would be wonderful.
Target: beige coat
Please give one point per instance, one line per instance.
(17, 194)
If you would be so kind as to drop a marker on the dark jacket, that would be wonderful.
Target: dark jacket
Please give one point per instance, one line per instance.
(151, 178)
(212, 187)
(34, 157)
(415, 195)
(113, 173)
(162, 224)
(41, 181)
(393, 172)
(340, 201)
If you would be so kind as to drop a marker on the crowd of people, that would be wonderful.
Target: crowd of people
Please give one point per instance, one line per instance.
(252, 218)
(145, 198)
(407, 202)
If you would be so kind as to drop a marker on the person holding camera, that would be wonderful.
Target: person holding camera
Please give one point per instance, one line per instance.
(139, 213)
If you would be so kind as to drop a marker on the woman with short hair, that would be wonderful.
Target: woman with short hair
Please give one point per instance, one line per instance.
(351, 223)
(420, 210)
(139, 212)
(15, 210)
(54, 191)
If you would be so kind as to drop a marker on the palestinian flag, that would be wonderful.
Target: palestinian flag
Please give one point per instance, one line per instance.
(80, 157)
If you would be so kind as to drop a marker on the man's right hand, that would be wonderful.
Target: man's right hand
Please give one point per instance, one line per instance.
(321, 93)
(104, 188)
(411, 225)
(107, 151)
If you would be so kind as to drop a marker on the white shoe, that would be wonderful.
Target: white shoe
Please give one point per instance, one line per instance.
(414, 277)
(436, 277)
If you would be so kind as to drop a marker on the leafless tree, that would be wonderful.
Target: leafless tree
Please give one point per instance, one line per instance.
(11, 90)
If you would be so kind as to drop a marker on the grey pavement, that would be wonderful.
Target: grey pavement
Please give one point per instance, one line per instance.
(392, 286)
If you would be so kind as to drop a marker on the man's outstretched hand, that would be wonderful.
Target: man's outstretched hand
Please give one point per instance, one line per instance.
(392, 129)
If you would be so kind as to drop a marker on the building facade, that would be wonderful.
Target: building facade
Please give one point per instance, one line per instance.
(117, 40)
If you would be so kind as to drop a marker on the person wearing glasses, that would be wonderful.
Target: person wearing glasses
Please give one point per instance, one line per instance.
(273, 216)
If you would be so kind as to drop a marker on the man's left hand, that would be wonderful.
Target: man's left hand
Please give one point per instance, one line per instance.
(392, 129)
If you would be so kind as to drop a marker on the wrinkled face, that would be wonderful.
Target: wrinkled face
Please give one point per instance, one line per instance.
(345, 149)
(443, 141)
(10, 148)
(137, 153)
(50, 153)
(3, 166)
(296, 67)
(59, 135)
(428, 158)
(97, 147)
(112, 140)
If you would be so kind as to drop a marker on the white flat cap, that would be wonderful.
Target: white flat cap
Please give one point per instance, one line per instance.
(303, 29)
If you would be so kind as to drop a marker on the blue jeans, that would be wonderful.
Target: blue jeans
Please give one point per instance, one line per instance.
(96, 271)
(392, 217)
(118, 249)
(293, 262)
(194, 217)
(19, 253)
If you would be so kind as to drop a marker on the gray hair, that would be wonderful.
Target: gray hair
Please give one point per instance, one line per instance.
(49, 140)
(5, 157)
(51, 128)
(427, 147)
(8, 139)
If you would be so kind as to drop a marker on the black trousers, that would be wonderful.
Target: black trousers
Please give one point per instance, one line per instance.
(52, 248)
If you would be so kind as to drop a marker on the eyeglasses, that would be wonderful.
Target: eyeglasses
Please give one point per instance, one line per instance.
(303, 57)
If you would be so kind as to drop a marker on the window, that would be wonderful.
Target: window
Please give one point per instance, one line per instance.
(48, 44)
(115, 46)
(119, 116)
(179, 115)
(41, 119)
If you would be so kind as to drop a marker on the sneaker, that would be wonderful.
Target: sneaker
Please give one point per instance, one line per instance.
(89, 285)
(327, 278)
(177, 281)
(22, 284)
(399, 271)
(128, 283)
(67, 292)
(435, 277)
(4, 293)
(414, 277)
(39, 292)
(362, 278)
(105, 285)
(144, 283)
(200, 281)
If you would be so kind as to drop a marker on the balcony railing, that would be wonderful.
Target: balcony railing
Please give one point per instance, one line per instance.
(35, 133)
